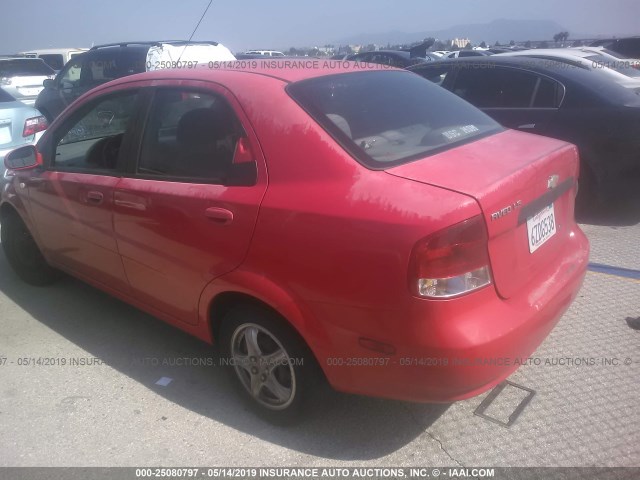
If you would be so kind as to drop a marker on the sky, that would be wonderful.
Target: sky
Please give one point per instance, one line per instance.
(280, 24)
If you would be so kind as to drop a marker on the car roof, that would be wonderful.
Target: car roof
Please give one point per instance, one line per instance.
(155, 43)
(287, 70)
(53, 50)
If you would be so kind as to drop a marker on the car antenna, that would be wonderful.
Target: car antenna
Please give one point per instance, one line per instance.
(195, 29)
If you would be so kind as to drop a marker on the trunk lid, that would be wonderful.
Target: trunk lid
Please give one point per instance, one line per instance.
(513, 176)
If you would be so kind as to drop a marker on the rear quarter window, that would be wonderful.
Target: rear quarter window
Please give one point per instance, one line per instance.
(386, 118)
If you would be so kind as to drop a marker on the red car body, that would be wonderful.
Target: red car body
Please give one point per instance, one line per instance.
(325, 241)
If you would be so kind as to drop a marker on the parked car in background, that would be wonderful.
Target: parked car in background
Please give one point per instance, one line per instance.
(265, 53)
(219, 214)
(20, 124)
(619, 72)
(56, 58)
(576, 104)
(469, 53)
(611, 59)
(23, 78)
(104, 63)
(392, 58)
(629, 46)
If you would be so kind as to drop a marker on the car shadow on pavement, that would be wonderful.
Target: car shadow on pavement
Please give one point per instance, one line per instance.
(341, 427)
(619, 213)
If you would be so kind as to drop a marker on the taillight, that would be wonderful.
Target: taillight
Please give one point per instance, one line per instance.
(451, 262)
(34, 125)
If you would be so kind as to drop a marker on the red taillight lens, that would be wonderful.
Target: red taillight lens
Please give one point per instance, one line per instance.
(452, 261)
(34, 125)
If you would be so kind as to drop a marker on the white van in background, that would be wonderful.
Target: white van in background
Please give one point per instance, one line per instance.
(56, 58)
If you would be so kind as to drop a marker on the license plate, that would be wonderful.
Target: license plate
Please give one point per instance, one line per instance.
(541, 227)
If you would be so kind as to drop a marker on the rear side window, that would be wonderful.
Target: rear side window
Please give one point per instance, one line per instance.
(386, 118)
(496, 87)
(24, 67)
(549, 94)
(507, 88)
(54, 60)
(189, 135)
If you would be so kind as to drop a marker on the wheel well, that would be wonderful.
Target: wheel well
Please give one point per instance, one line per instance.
(5, 210)
(226, 301)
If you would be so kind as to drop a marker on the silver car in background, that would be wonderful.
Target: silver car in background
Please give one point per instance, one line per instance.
(20, 124)
(22, 77)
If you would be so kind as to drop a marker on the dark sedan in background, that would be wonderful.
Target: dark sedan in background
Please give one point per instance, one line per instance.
(560, 100)
(393, 58)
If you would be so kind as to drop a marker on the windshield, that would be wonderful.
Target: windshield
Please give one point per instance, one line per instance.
(24, 67)
(386, 118)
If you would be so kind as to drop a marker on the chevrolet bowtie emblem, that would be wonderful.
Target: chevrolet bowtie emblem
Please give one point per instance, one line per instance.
(552, 181)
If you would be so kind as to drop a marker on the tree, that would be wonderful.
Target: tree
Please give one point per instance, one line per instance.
(512, 43)
(468, 46)
(483, 44)
(527, 44)
(543, 45)
(561, 37)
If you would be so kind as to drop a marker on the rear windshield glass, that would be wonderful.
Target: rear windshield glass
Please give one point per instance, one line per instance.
(386, 118)
(24, 67)
(54, 60)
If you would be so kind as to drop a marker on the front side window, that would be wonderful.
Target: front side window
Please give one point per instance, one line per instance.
(386, 118)
(92, 141)
(71, 74)
(189, 135)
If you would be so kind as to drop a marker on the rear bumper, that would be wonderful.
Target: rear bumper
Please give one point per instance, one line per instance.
(454, 349)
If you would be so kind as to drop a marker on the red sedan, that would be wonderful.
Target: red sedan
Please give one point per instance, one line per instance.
(367, 227)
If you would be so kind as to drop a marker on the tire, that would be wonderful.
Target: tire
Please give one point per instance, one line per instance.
(587, 201)
(23, 253)
(271, 366)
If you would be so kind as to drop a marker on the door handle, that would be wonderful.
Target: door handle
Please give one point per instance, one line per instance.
(95, 197)
(529, 126)
(133, 205)
(219, 215)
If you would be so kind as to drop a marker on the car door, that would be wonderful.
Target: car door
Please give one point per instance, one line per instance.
(72, 198)
(518, 99)
(179, 221)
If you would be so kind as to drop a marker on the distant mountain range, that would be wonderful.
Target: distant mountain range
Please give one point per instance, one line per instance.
(502, 31)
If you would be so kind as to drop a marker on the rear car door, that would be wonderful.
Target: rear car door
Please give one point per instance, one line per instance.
(72, 198)
(179, 220)
(516, 98)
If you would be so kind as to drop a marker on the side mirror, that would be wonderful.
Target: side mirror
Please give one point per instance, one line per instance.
(49, 83)
(22, 158)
